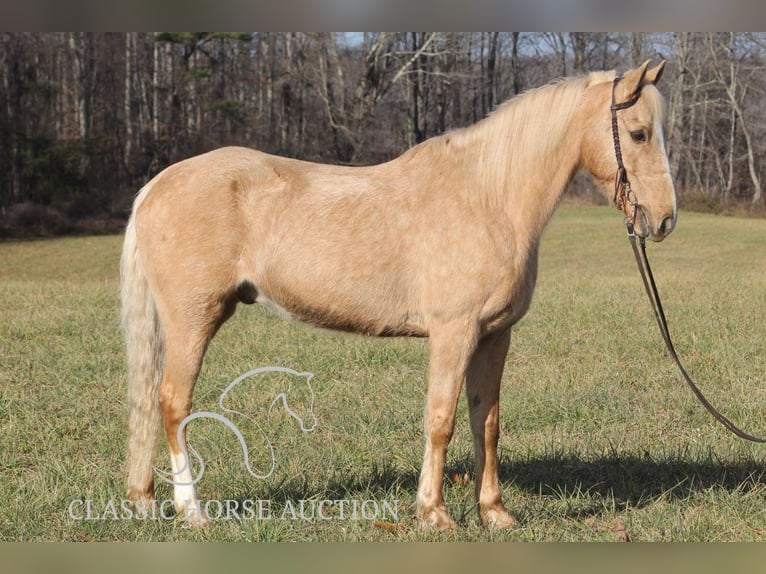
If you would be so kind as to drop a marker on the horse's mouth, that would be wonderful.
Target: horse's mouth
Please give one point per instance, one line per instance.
(644, 228)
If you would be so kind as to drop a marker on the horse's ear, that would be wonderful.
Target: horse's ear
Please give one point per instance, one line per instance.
(653, 75)
(633, 80)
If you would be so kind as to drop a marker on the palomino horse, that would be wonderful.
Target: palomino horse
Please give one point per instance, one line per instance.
(440, 242)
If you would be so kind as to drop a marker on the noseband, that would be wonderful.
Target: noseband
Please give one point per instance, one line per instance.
(626, 201)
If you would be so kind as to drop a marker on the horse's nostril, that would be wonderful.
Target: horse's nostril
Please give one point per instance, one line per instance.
(667, 225)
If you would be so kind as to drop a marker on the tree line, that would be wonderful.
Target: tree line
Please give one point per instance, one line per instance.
(87, 118)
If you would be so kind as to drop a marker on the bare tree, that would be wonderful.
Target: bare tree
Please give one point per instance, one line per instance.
(727, 67)
(85, 118)
(579, 42)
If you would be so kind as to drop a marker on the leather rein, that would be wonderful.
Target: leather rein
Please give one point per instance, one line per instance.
(626, 201)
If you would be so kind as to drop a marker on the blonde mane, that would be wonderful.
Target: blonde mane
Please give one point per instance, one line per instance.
(517, 152)
(524, 130)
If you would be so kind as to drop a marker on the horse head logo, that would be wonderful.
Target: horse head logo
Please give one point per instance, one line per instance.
(307, 421)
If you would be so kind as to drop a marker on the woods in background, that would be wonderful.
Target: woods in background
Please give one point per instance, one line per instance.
(87, 118)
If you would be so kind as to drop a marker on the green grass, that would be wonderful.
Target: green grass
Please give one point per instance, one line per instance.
(598, 430)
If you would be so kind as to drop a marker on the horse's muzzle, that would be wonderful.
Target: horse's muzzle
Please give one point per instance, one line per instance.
(659, 232)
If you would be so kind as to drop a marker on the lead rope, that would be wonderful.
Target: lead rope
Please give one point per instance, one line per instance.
(659, 314)
(623, 194)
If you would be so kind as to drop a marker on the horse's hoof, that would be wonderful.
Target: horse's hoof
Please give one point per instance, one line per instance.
(436, 518)
(143, 504)
(498, 518)
(193, 517)
(196, 523)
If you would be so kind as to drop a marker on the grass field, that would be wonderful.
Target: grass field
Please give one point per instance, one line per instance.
(601, 441)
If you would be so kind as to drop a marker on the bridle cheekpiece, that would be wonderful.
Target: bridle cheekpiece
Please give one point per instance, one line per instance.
(624, 198)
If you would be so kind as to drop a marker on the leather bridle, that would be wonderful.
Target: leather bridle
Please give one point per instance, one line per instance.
(625, 200)
(624, 197)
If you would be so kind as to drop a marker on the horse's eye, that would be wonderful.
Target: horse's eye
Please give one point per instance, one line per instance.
(639, 136)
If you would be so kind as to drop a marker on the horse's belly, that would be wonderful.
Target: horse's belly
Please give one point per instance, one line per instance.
(341, 314)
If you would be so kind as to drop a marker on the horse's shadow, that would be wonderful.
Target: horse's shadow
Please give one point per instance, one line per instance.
(627, 480)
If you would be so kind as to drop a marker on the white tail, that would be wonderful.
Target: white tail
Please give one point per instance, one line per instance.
(145, 357)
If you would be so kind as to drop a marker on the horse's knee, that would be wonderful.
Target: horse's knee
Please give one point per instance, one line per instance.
(439, 429)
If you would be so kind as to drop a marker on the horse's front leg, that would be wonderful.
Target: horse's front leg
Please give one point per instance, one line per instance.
(483, 394)
(450, 349)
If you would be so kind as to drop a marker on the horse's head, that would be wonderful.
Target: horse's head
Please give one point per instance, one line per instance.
(649, 197)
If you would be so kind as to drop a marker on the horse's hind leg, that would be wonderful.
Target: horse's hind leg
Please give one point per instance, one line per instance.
(186, 340)
(483, 393)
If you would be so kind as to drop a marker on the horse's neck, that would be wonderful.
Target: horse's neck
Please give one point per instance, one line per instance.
(527, 157)
(532, 199)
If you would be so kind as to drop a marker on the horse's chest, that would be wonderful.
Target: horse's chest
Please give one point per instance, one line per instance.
(511, 299)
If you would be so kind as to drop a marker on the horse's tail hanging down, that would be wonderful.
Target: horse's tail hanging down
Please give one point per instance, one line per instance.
(145, 357)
